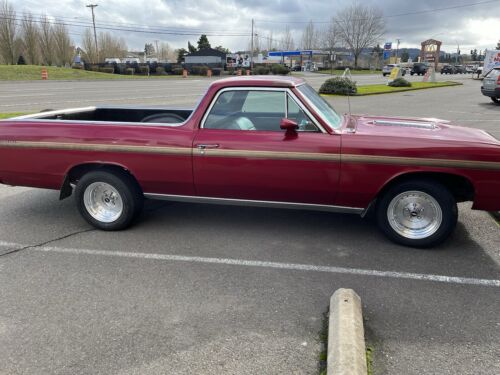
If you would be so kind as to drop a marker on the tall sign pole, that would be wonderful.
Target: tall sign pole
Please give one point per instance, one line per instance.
(92, 6)
(251, 52)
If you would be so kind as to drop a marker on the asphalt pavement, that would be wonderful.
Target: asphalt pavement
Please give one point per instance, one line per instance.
(224, 290)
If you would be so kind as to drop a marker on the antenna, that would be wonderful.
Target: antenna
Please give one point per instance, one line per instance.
(347, 74)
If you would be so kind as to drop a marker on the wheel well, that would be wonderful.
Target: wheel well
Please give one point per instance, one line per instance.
(76, 172)
(461, 188)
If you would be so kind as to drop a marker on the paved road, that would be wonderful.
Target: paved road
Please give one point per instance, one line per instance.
(212, 290)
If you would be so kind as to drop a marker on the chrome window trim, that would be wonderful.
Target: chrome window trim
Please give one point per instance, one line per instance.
(255, 203)
(287, 91)
(335, 129)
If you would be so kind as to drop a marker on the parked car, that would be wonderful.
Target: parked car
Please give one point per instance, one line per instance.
(419, 69)
(260, 141)
(460, 69)
(491, 85)
(386, 70)
(448, 69)
(470, 68)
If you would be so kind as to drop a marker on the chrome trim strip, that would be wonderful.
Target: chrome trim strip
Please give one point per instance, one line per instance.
(421, 162)
(409, 124)
(97, 147)
(254, 203)
(257, 88)
(275, 155)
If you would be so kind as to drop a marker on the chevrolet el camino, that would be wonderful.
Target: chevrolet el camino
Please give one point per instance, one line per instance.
(264, 141)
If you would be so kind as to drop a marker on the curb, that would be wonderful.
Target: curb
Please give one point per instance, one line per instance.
(346, 339)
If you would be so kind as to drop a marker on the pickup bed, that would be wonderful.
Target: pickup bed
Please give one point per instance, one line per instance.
(263, 141)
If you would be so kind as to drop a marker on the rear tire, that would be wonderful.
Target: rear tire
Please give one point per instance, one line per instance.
(417, 213)
(108, 200)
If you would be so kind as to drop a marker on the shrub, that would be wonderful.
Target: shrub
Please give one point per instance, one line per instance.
(203, 71)
(261, 70)
(216, 71)
(177, 71)
(400, 82)
(108, 69)
(129, 71)
(338, 85)
(160, 70)
(279, 69)
(144, 70)
(94, 68)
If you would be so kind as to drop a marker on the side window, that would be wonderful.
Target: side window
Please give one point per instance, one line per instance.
(247, 110)
(296, 114)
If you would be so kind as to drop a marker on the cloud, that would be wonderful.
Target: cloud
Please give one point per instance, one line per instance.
(471, 27)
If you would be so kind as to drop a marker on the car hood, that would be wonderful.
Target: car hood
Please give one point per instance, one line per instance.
(427, 129)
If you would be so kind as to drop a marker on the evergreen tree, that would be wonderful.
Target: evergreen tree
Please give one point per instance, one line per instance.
(191, 48)
(181, 52)
(203, 42)
(20, 60)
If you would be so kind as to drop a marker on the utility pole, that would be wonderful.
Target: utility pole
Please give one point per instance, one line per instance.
(458, 54)
(397, 49)
(92, 6)
(251, 52)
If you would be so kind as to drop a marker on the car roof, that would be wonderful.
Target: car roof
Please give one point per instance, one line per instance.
(264, 81)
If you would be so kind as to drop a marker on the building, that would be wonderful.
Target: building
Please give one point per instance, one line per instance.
(207, 56)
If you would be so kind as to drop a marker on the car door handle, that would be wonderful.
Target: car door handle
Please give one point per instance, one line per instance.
(205, 146)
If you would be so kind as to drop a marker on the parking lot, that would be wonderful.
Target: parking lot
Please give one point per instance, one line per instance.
(211, 289)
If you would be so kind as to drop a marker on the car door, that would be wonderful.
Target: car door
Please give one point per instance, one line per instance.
(240, 152)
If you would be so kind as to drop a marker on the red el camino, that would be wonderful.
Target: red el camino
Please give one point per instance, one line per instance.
(263, 141)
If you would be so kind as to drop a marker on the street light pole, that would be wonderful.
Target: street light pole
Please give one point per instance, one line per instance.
(92, 6)
(251, 52)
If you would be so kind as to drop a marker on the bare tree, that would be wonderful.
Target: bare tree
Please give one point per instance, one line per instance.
(360, 26)
(30, 33)
(88, 45)
(110, 46)
(309, 37)
(8, 29)
(46, 41)
(270, 41)
(287, 40)
(63, 50)
(164, 51)
(330, 37)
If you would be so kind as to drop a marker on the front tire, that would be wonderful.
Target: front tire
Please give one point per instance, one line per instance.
(108, 200)
(418, 213)
(495, 100)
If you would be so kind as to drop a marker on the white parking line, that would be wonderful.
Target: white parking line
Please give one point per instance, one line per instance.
(265, 264)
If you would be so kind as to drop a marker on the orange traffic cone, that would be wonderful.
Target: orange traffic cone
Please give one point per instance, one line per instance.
(45, 74)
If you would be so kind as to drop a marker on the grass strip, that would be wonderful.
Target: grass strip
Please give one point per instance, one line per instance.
(34, 73)
(11, 114)
(384, 89)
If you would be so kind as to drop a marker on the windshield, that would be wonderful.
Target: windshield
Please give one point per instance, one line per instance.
(322, 107)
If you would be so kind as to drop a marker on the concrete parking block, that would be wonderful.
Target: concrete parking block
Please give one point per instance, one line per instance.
(346, 338)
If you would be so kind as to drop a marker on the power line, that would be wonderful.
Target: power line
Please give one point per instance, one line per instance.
(394, 15)
(133, 30)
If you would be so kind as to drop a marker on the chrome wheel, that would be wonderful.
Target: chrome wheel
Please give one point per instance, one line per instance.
(414, 214)
(103, 202)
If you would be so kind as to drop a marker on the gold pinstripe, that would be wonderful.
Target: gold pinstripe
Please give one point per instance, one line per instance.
(280, 155)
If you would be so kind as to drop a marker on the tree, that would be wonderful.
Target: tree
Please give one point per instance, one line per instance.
(88, 44)
(164, 51)
(309, 36)
(149, 49)
(359, 26)
(63, 50)
(405, 55)
(203, 42)
(181, 52)
(30, 33)
(287, 40)
(498, 45)
(46, 41)
(270, 41)
(191, 48)
(329, 37)
(111, 46)
(21, 61)
(8, 29)
(222, 49)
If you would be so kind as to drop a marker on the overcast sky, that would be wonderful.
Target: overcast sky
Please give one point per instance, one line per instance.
(476, 26)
